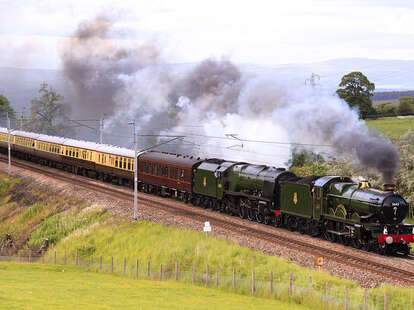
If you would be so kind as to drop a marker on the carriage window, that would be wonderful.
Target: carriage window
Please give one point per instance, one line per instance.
(125, 164)
(129, 164)
(182, 173)
(149, 168)
(177, 173)
(160, 170)
(155, 169)
(66, 152)
(116, 162)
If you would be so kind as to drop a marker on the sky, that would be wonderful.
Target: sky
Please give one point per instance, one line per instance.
(259, 32)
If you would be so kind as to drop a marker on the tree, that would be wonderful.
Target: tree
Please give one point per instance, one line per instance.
(47, 112)
(386, 109)
(405, 108)
(357, 90)
(6, 107)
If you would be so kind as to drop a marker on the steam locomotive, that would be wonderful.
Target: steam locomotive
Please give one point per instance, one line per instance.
(333, 207)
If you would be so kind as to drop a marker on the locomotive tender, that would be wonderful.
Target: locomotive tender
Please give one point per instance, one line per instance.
(333, 207)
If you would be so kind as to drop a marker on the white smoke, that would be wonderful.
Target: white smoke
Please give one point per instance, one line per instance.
(222, 111)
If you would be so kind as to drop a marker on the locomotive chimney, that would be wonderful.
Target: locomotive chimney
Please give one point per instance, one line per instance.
(389, 187)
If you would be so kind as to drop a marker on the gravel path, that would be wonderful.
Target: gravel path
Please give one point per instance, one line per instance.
(124, 209)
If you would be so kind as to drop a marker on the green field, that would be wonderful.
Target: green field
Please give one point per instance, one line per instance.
(392, 126)
(24, 286)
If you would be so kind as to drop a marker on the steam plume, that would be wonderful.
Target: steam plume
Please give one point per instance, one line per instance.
(215, 98)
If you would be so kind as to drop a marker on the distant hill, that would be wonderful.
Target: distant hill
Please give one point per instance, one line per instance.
(393, 78)
(388, 75)
(392, 95)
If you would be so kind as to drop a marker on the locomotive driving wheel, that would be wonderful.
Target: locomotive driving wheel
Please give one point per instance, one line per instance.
(356, 243)
(303, 227)
(242, 212)
(292, 223)
(278, 221)
(250, 214)
(259, 217)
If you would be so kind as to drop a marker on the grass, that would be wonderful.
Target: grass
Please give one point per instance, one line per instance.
(392, 126)
(63, 224)
(32, 214)
(26, 286)
(133, 241)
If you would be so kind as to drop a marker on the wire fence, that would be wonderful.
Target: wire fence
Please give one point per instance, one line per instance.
(263, 285)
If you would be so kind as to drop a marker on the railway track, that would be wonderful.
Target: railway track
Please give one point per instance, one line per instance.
(194, 213)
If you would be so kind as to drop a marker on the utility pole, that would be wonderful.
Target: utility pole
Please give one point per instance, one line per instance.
(21, 121)
(135, 171)
(101, 127)
(8, 144)
(138, 153)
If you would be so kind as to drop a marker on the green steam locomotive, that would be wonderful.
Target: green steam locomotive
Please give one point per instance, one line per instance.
(334, 207)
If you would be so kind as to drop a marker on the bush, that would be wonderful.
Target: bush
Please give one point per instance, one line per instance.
(386, 109)
(406, 106)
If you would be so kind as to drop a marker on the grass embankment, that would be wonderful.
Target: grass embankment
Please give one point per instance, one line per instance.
(90, 231)
(392, 126)
(65, 287)
(30, 214)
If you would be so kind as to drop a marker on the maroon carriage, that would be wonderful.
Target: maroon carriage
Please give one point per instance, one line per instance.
(166, 174)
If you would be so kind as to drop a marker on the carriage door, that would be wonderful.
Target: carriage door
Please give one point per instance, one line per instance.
(317, 201)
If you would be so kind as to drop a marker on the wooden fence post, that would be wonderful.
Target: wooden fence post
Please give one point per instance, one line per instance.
(271, 282)
(365, 299)
(385, 301)
(149, 269)
(291, 285)
(91, 260)
(64, 258)
(112, 264)
(124, 265)
(234, 277)
(160, 272)
(194, 274)
(54, 260)
(43, 259)
(346, 298)
(100, 263)
(310, 284)
(136, 269)
(217, 276)
(206, 274)
(253, 282)
(77, 258)
(327, 294)
(176, 271)
(30, 256)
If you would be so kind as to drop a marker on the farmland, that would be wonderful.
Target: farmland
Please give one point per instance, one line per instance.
(392, 126)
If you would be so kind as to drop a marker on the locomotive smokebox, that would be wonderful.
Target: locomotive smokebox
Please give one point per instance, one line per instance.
(389, 187)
